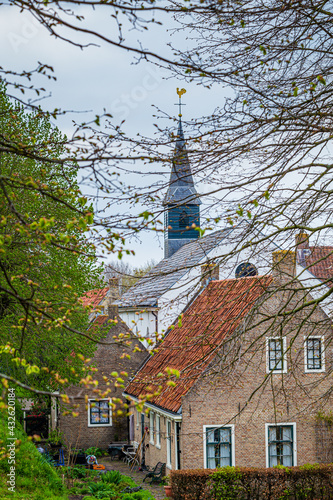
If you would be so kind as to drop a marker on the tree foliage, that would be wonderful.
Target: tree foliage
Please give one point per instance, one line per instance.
(264, 154)
(127, 274)
(275, 58)
(46, 262)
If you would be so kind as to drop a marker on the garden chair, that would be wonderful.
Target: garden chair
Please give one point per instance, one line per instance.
(156, 473)
(130, 455)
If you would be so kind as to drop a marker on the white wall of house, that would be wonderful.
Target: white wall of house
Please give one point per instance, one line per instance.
(317, 289)
(172, 303)
(141, 322)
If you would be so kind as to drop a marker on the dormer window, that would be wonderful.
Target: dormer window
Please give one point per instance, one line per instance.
(184, 220)
(245, 269)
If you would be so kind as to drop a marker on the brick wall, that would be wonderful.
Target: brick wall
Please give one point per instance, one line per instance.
(233, 383)
(237, 391)
(107, 359)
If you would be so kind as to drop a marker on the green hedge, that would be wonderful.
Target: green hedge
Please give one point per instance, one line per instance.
(308, 482)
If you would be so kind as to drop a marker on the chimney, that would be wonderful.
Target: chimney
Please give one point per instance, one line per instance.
(209, 272)
(301, 241)
(113, 296)
(113, 290)
(112, 311)
(284, 264)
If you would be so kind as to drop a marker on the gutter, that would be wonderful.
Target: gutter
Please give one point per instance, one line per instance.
(143, 308)
(169, 414)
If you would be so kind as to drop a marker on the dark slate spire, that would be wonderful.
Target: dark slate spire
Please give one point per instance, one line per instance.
(181, 188)
(181, 202)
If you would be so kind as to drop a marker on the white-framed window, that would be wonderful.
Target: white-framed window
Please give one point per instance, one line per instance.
(151, 427)
(276, 354)
(158, 431)
(314, 354)
(138, 418)
(168, 443)
(99, 413)
(281, 444)
(219, 446)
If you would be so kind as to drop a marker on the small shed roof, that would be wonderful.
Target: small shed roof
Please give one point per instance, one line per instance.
(94, 297)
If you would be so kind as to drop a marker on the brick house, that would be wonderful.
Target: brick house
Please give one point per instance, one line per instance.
(97, 424)
(255, 362)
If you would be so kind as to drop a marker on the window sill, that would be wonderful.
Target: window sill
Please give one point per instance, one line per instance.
(100, 425)
(321, 370)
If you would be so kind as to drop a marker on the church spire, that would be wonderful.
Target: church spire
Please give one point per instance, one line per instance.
(181, 187)
(181, 200)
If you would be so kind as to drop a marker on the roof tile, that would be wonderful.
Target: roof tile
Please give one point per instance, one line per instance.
(189, 348)
(320, 263)
(94, 297)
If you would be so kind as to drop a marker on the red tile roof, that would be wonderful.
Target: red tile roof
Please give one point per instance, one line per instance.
(320, 263)
(189, 348)
(101, 319)
(94, 297)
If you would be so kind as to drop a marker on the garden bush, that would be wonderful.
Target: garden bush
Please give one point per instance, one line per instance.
(36, 479)
(308, 482)
(96, 488)
(93, 450)
(76, 472)
(112, 477)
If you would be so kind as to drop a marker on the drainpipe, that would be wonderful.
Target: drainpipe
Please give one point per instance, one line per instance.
(156, 320)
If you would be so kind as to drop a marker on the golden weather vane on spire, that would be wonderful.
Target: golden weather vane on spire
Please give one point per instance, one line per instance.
(180, 92)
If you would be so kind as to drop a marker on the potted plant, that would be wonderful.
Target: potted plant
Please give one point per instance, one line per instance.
(55, 438)
(167, 486)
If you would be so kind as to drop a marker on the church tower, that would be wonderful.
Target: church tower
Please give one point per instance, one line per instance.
(181, 202)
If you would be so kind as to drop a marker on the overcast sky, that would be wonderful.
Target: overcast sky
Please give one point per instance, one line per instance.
(104, 77)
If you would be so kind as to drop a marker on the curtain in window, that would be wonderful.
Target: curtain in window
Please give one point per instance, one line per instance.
(280, 446)
(218, 447)
(99, 412)
(287, 449)
(158, 436)
(211, 461)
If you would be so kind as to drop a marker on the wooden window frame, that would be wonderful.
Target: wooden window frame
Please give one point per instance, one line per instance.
(92, 404)
(283, 342)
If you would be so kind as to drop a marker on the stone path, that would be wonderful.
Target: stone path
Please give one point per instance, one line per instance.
(137, 476)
